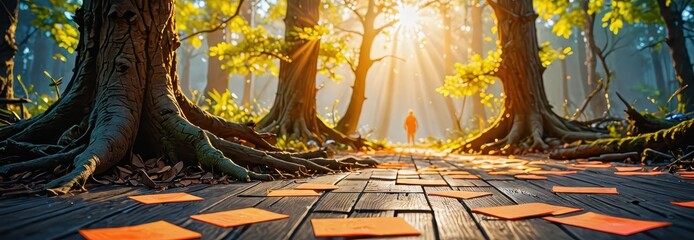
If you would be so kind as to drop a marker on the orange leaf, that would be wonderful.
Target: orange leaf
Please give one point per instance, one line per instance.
(627, 169)
(596, 190)
(238, 217)
(684, 204)
(609, 224)
(459, 194)
(165, 198)
(154, 230)
(292, 193)
(638, 173)
(423, 182)
(362, 227)
(315, 186)
(512, 212)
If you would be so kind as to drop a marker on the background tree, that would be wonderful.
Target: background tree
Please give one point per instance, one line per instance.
(671, 12)
(124, 98)
(527, 120)
(8, 47)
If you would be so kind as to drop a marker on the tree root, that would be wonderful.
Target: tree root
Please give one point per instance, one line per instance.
(677, 137)
(48, 162)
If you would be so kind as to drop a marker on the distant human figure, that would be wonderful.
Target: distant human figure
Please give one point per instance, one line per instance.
(411, 127)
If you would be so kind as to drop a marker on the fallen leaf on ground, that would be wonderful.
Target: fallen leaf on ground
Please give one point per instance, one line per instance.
(544, 172)
(455, 173)
(362, 227)
(423, 182)
(530, 177)
(155, 230)
(238, 217)
(595, 190)
(512, 212)
(316, 186)
(628, 169)
(501, 173)
(684, 204)
(639, 173)
(292, 193)
(165, 198)
(605, 165)
(464, 176)
(459, 194)
(608, 224)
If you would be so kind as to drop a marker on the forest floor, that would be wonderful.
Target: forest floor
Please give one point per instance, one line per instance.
(375, 193)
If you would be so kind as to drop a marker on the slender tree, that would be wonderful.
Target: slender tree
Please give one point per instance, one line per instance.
(677, 42)
(477, 45)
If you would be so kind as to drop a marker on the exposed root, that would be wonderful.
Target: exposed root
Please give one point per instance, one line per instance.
(46, 162)
(677, 137)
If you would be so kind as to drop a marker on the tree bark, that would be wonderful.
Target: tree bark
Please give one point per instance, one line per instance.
(477, 43)
(293, 113)
(349, 122)
(217, 79)
(8, 47)
(125, 98)
(527, 121)
(598, 104)
(680, 56)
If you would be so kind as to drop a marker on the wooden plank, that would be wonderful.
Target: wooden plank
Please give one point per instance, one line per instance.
(614, 205)
(494, 228)
(261, 189)
(351, 186)
(392, 201)
(391, 187)
(68, 220)
(385, 175)
(176, 213)
(423, 222)
(295, 207)
(453, 221)
(337, 202)
(360, 175)
(465, 182)
(305, 230)
(367, 214)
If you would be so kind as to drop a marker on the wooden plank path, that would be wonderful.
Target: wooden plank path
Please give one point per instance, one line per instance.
(371, 193)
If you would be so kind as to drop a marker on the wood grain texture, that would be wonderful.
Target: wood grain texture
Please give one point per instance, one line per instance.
(392, 201)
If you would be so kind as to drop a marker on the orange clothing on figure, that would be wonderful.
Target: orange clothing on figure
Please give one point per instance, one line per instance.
(411, 127)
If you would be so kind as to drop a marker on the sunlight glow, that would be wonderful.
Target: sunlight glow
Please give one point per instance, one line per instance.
(407, 16)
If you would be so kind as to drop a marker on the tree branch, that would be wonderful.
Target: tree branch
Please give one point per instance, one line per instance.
(349, 31)
(387, 25)
(220, 26)
(381, 58)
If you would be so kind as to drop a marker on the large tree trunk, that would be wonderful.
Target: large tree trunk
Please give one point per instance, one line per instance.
(527, 121)
(680, 56)
(124, 98)
(477, 43)
(293, 113)
(8, 47)
(217, 79)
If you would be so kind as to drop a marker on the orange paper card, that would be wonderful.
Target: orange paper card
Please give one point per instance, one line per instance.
(530, 177)
(596, 190)
(543, 172)
(316, 186)
(423, 182)
(464, 177)
(238, 217)
(362, 227)
(684, 204)
(459, 194)
(608, 224)
(527, 210)
(165, 198)
(154, 230)
(627, 169)
(455, 173)
(292, 193)
(639, 173)
(606, 165)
